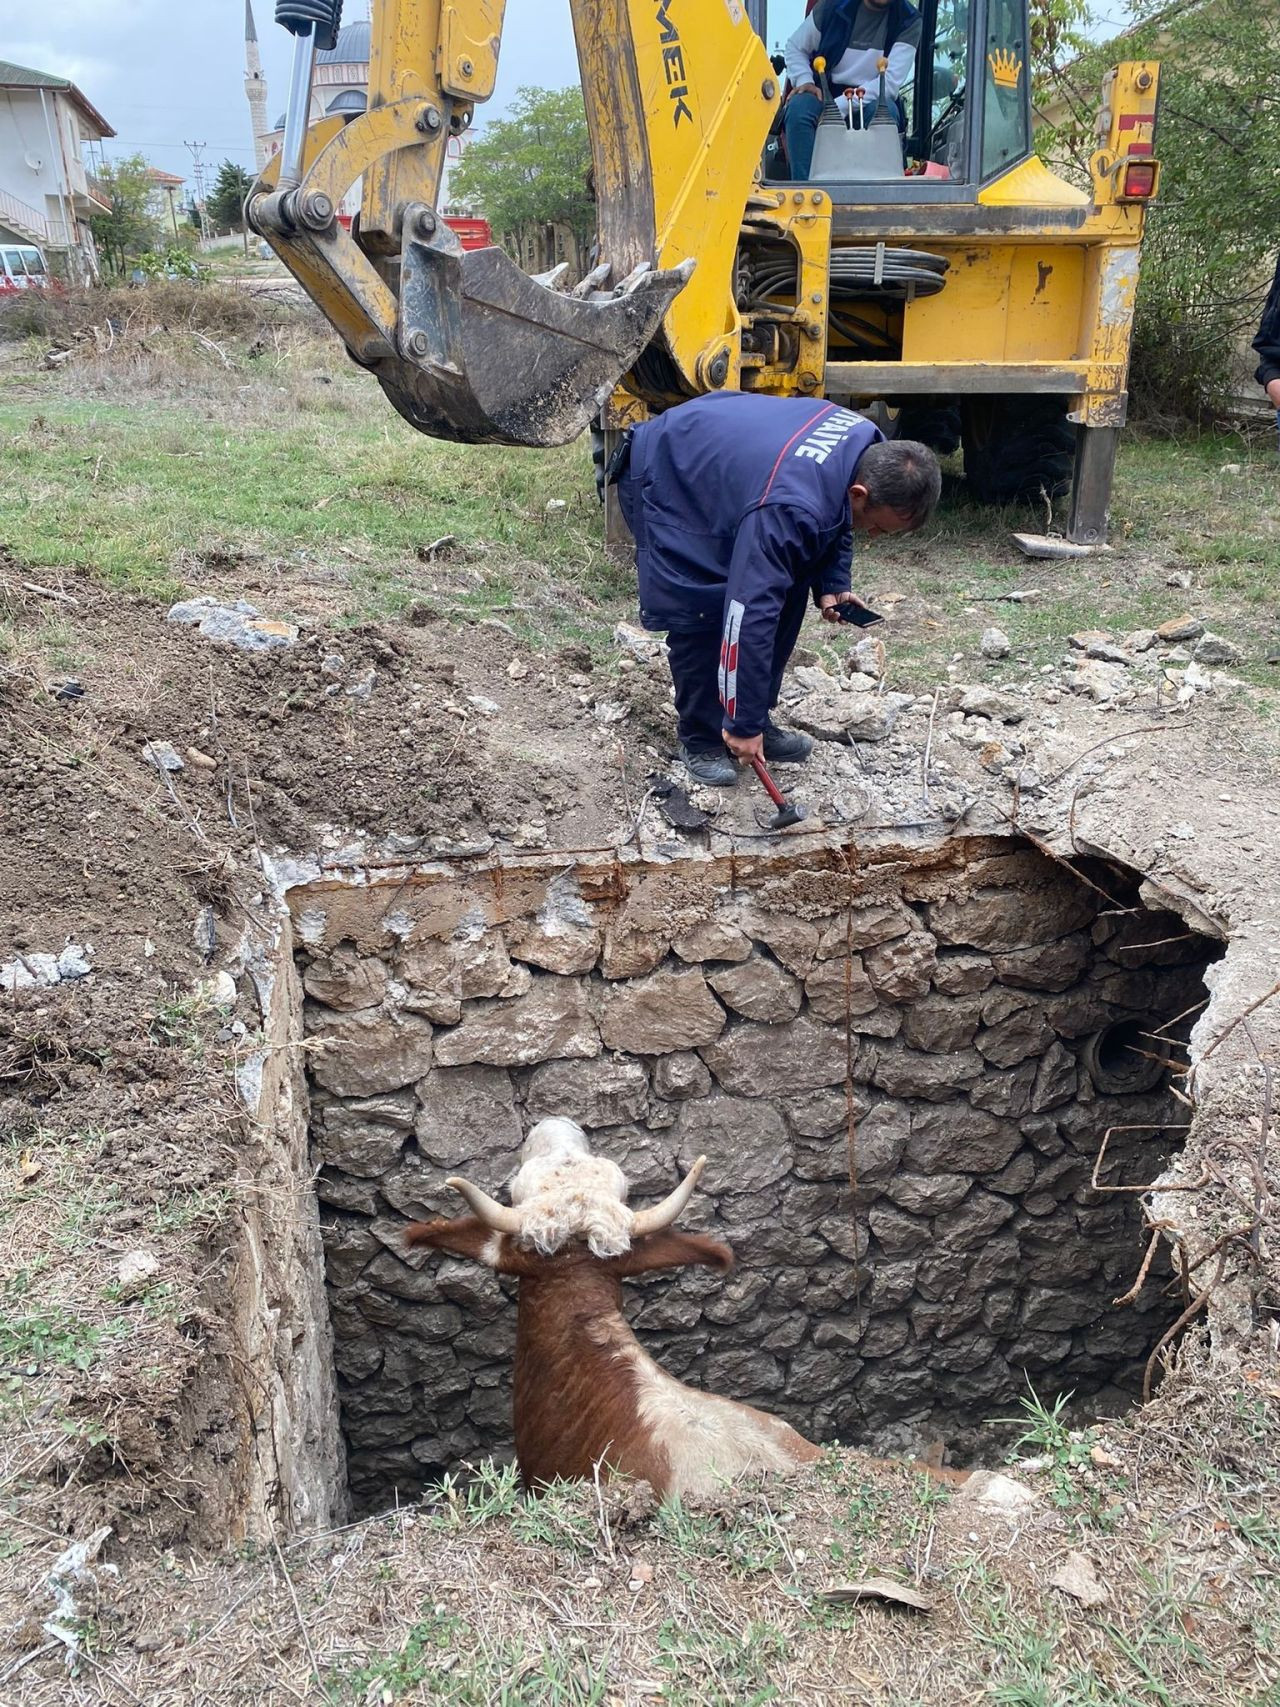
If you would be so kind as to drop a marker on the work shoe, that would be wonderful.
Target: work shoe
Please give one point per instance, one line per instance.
(785, 746)
(714, 768)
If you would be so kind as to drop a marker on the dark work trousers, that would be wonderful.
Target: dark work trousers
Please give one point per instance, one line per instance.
(695, 669)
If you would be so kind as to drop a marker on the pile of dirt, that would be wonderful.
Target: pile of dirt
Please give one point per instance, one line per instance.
(401, 730)
(118, 1086)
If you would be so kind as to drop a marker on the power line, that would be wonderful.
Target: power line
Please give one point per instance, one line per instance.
(148, 142)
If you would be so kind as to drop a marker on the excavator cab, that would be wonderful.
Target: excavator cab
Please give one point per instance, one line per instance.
(965, 98)
(976, 299)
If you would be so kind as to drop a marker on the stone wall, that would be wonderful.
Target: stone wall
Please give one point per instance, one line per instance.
(900, 1062)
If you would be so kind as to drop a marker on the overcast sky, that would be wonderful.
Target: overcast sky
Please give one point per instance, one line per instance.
(167, 72)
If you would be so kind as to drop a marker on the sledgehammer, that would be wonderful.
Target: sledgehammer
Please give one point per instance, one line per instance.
(788, 812)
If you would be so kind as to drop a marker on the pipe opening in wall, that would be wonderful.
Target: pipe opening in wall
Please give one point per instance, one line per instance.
(902, 1062)
(1125, 1059)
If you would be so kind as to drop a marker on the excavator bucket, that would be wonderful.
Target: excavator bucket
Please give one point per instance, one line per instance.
(490, 355)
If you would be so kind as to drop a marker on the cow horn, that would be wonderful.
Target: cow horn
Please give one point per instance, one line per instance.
(664, 1213)
(495, 1215)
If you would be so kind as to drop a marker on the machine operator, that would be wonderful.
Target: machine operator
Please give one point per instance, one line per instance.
(851, 36)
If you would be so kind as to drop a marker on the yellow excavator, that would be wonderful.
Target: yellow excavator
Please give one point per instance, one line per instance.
(953, 286)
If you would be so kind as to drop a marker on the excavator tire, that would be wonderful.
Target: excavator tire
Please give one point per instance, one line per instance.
(1017, 448)
(933, 421)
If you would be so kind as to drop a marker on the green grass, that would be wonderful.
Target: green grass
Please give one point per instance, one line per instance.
(183, 1210)
(719, 1666)
(69, 1192)
(1144, 1651)
(51, 1335)
(749, 1539)
(186, 1020)
(1046, 1433)
(447, 1663)
(556, 1518)
(165, 471)
(130, 491)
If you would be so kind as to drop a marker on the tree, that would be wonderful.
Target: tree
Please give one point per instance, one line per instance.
(530, 170)
(1210, 235)
(225, 205)
(131, 227)
(1059, 35)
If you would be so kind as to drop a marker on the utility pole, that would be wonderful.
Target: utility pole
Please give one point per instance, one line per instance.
(196, 150)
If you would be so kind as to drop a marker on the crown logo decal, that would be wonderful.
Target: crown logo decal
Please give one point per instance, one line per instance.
(1006, 68)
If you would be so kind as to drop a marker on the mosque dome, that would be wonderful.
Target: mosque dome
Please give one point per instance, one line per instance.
(352, 46)
(340, 74)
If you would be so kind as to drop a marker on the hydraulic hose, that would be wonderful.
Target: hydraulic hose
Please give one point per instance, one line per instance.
(873, 270)
(881, 271)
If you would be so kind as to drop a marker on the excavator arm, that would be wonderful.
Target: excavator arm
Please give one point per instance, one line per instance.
(679, 98)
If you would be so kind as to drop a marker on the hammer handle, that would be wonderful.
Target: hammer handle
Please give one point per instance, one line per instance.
(770, 786)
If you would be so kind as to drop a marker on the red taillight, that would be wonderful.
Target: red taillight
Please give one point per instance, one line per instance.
(1139, 180)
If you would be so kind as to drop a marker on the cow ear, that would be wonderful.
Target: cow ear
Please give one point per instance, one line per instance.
(672, 1250)
(469, 1237)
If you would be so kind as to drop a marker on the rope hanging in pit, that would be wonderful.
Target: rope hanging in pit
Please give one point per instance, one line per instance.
(301, 17)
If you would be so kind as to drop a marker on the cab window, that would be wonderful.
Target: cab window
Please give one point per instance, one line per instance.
(946, 117)
(13, 266)
(935, 92)
(33, 263)
(1006, 111)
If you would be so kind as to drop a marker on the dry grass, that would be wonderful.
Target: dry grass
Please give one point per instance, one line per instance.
(121, 313)
(221, 350)
(582, 1599)
(66, 1324)
(92, 1362)
(199, 422)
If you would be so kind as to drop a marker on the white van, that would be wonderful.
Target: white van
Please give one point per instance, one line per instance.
(22, 267)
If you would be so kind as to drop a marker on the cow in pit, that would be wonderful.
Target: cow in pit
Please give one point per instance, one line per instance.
(586, 1393)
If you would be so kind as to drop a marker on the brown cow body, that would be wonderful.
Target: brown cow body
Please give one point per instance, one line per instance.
(587, 1393)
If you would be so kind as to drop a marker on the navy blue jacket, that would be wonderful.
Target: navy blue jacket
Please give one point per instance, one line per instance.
(736, 504)
(835, 19)
(1267, 343)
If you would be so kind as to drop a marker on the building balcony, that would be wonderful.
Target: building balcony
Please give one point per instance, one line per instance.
(94, 198)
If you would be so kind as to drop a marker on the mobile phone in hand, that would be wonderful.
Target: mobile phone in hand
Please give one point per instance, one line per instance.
(859, 614)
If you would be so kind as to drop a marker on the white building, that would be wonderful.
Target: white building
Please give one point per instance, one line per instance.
(165, 201)
(340, 84)
(46, 195)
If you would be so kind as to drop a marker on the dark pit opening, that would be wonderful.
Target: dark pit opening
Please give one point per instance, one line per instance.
(1004, 1017)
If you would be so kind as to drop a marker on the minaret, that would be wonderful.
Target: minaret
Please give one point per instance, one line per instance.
(255, 87)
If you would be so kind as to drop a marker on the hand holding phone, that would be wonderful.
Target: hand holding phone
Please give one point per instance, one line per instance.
(853, 610)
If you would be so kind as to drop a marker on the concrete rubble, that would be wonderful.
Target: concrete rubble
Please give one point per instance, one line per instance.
(237, 624)
(37, 970)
